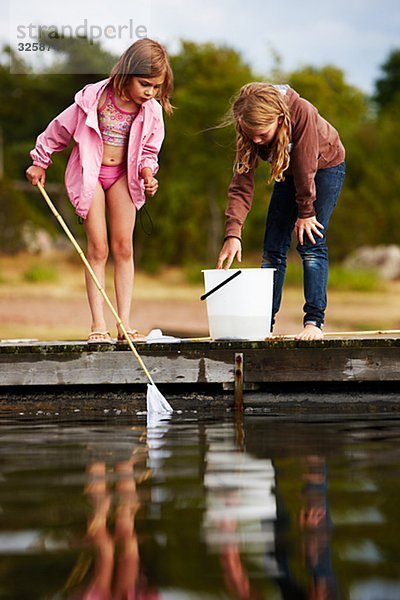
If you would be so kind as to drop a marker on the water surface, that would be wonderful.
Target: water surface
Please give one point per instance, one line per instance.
(199, 507)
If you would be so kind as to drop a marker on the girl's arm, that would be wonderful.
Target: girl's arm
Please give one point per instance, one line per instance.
(55, 137)
(240, 200)
(149, 158)
(304, 156)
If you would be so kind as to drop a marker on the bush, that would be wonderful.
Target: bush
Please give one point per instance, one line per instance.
(16, 212)
(40, 273)
(354, 280)
(340, 278)
(193, 274)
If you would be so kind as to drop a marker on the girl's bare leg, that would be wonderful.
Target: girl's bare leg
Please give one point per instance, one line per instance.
(122, 216)
(97, 533)
(127, 571)
(97, 253)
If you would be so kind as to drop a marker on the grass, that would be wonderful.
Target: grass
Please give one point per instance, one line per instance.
(340, 279)
(55, 285)
(193, 273)
(360, 280)
(41, 273)
(173, 282)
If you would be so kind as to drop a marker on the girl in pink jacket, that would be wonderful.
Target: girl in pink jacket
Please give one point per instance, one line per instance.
(118, 128)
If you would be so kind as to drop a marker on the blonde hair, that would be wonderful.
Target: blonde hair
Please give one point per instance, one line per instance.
(145, 58)
(257, 106)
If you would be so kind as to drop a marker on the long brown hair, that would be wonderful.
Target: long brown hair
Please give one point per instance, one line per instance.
(144, 58)
(257, 106)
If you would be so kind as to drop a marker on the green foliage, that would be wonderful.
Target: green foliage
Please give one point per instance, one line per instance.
(15, 213)
(340, 103)
(197, 156)
(369, 209)
(193, 273)
(340, 278)
(79, 56)
(41, 273)
(388, 86)
(47, 95)
(351, 280)
(196, 159)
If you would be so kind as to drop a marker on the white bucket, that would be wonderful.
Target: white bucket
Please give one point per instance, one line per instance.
(242, 308)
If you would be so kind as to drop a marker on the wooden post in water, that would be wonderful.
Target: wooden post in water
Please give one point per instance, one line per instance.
(239, 381)
(239, 404)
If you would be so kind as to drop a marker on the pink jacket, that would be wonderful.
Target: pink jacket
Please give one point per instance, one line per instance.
(79, 122)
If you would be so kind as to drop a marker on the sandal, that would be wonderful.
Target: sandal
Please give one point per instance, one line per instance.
(134, 336)
(99, 337)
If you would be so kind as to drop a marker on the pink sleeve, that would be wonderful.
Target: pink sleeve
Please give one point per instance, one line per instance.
(151, 148)
(55, 137)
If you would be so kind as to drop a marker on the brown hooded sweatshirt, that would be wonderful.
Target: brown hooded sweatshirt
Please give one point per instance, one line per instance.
(315, 145)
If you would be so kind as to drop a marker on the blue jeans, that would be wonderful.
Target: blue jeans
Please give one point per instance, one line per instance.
(281, 219)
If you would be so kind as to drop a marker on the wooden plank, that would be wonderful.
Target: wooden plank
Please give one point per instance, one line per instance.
(323, 364)
(74, 363)
(102, 368)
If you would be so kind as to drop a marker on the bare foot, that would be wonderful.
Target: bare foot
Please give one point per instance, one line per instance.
(310, 332)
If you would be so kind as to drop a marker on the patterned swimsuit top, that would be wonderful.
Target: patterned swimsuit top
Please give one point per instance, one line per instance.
(114, 123)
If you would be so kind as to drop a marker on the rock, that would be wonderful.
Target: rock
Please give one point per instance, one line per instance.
(383, 259)
(36, 241)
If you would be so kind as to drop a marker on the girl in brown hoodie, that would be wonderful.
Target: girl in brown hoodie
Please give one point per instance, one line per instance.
(307, 166)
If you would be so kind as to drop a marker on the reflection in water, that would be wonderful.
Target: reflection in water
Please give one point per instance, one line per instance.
(116, 573)
(241, 509)
(243, 501)
(315, 523)
(195, 508)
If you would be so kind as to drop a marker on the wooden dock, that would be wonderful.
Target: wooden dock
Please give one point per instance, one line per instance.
(278, 376)
(190, 363)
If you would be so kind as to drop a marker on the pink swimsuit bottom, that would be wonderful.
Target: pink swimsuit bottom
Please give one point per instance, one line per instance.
(109, 174)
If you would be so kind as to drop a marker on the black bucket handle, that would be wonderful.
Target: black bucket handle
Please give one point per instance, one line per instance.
(220, 285)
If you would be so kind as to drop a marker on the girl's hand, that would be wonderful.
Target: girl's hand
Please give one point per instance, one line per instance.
(150, 182)
(150, 185)
(231, 248)
(311, 226)
(35, 174)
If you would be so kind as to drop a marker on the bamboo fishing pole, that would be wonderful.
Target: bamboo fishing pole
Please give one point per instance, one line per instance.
(95, 279)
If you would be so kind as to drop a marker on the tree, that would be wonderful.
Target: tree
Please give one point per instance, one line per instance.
(346, 107)
(196, 159)
(16, 214)
(387, 89)
(340, 103)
